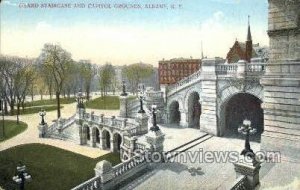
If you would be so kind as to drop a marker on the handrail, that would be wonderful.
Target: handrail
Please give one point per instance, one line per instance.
(240, 183)
(93, 183)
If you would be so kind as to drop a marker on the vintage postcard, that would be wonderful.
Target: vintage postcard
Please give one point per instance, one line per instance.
(150, 94)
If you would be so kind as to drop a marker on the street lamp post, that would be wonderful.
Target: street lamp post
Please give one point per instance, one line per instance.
(124, 93)
(2, 110)
(154, 124)
(247, 130)
(79, 99)
(42, 113)
(22, 176)
(141, 97)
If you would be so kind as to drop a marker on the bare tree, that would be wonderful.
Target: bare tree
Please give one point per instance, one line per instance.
(135, 73)
(87, 72)
(56, 61)
(107, 74)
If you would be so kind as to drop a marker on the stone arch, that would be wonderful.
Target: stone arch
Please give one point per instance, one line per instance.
(84, 133)
(232, 112)
(193, 107)
(117, 139)
(106, 136)
(97, 131)
(174, 112)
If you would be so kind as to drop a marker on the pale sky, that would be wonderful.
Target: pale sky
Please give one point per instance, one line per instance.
(132, 35)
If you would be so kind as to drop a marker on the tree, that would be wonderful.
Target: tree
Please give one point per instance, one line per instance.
(87, 72)
(56, 61)
(23, 82)
(17, 77)
(107, 74)
(135, 73)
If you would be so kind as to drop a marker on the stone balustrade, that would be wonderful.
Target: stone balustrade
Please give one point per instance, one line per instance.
(126, 166)
(93, 183)
(185, 80)
(240, 184)
(57, 125)
(140, 146)
(227, 70)
(125, 124)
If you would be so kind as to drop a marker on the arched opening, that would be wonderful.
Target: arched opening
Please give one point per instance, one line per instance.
(107, 139)
(118, 141)
(97, 136)
(194, 110)
(88, 136)
(174, 113)
(240, 107)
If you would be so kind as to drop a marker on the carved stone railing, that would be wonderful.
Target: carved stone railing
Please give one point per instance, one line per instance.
(140, 146)
(126, 166)
(93, 183)
(52, 128)
(133, 103)
(122, 124)
(240, 183)
(256, 68)
(226, 69)
(190, 79)
(154, 94)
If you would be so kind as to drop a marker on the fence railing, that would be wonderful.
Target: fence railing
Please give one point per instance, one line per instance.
(126, 166)
(93, 183)
(185, 80)
(240, 183)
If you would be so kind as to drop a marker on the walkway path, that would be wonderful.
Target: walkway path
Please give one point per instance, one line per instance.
(197, 174)
(31, 134)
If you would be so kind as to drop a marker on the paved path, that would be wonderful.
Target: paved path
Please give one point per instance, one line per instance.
(199, 174)
(31, 134)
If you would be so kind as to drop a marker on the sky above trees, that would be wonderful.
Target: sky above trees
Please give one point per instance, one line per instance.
(125, 36)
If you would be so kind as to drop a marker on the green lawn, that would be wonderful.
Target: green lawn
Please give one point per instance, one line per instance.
(50, 102)
(11, 128)
(104, 103)
(50, 167)
(31, 110)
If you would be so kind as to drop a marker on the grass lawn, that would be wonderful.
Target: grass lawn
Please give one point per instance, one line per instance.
(104, 103)
(50, 167)
(50, 102)
(31, 110)
(11, 128)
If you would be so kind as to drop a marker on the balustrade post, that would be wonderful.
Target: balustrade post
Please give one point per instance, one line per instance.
(102, 118)
(104, 170)
(113, 120)
(124, 123)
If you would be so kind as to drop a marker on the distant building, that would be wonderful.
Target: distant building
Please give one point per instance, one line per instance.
(171, 71)
(246, 51)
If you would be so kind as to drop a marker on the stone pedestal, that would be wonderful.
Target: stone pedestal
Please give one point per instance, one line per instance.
(123, 106)
(155, 140)
(142, 119)
(104, 169)
(208, 118)
(43, 128)
(250, 170)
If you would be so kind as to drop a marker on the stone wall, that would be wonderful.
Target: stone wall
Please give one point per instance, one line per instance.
(282, 80)
(283, 29)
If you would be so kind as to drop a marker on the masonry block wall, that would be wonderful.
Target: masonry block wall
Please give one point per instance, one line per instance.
(282, 80)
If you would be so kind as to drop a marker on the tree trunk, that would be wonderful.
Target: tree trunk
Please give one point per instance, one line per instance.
(58, 104)
(5, 107)
(87, 94)
(12, 106)
(18, 111)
